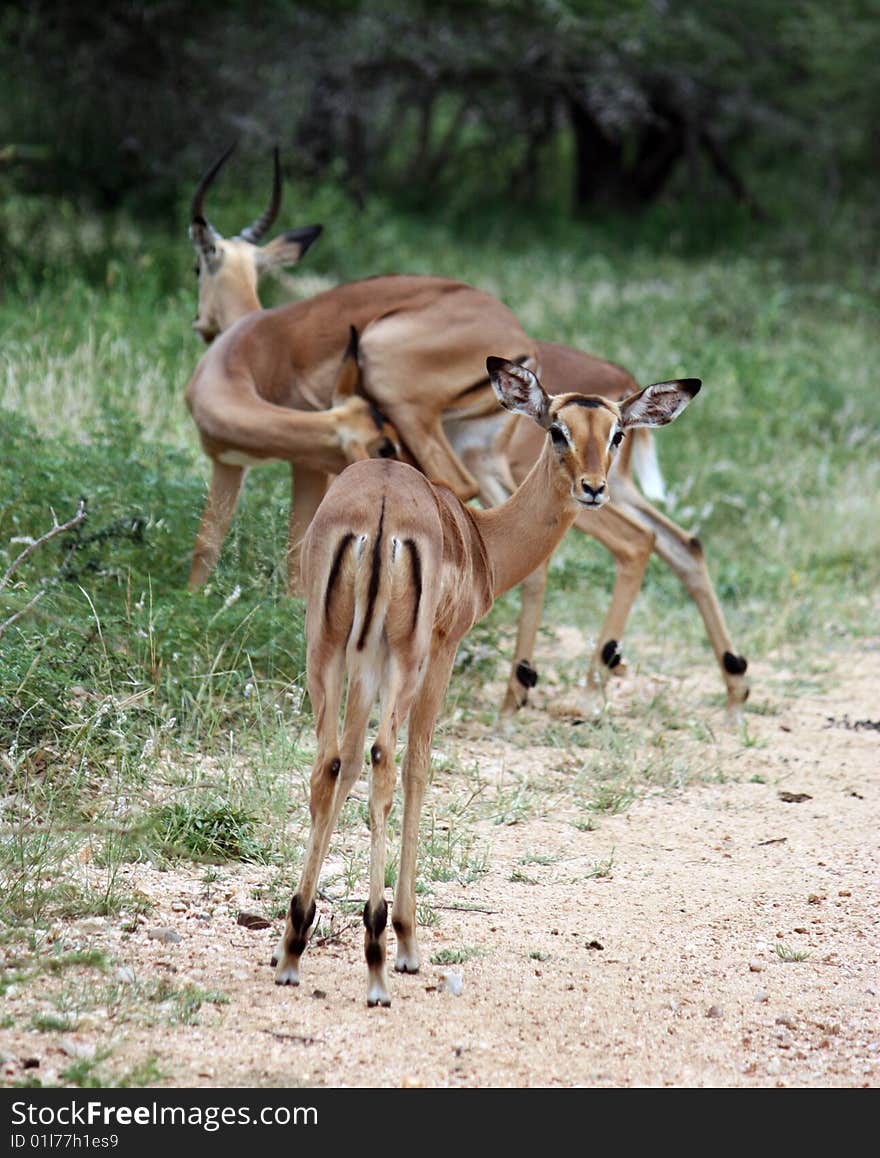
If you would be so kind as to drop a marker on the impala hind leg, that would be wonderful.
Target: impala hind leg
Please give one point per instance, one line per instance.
(630, 543)
(226, 484)
(416, 767)
(383, 775)
(396, 700)
(334, 773)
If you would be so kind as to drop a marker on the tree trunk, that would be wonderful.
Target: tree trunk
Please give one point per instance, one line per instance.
(598, 164)
(316, 139)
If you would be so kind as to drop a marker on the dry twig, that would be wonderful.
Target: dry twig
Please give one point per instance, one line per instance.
(56, 529)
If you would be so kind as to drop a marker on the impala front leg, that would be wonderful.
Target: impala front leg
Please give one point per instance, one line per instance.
(308, 488)
(226, 484)
(631, 544)
(524, 675)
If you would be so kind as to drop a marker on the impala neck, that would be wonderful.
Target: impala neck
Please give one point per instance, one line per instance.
(236, 306)
(521, 532)
(287, 436)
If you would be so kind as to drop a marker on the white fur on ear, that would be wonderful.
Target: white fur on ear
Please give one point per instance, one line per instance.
(660, 403)
(518, 389)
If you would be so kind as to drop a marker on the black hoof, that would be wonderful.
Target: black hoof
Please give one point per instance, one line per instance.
(612, 654)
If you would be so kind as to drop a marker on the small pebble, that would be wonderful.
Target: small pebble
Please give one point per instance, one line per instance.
(714, 1011)
(252, 921)
(755, 966)
(166, 936)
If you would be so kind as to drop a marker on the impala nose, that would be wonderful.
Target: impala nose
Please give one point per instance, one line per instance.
(206, 332)
(593, 495)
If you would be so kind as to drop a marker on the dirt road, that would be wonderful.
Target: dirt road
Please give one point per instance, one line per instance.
(724, 933)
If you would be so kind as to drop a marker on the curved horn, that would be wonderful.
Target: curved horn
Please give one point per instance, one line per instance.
(196, 212)
(257, 228)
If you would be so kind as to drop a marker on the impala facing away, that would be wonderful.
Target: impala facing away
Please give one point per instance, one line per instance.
(421, 360)
(396, 571)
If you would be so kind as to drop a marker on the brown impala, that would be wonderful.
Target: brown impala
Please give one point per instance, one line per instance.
(396, 571)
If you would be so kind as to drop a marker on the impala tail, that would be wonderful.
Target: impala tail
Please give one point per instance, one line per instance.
(647, 466)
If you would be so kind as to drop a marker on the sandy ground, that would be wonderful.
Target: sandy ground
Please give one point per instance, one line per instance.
(732, 939)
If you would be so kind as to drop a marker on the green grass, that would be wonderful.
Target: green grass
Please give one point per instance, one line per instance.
(790, 955)
(214, 832)
(602, 868)
(456, 956)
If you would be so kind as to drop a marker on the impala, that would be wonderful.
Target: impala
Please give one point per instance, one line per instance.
(396, 571)
(421, 364)
(630, 527)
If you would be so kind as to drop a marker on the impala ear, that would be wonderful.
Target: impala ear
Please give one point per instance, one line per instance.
(288, 248)
(518, 389)
(203, 236)
(659, 404)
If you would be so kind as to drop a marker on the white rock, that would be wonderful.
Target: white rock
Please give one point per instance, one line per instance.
(84, 1049)
(452, 982)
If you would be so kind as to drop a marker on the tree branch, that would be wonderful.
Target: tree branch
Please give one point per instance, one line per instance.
(56, 529)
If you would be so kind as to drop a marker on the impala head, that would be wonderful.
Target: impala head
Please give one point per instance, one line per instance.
(363, 430)
(584, 431)
(229, 268)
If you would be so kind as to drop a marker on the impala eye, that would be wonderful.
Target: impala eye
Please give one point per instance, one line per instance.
(618, 438)
(558, 436)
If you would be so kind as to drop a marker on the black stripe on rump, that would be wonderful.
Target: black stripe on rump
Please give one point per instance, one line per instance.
(334, 570)
(373, 590)
(415, 561)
